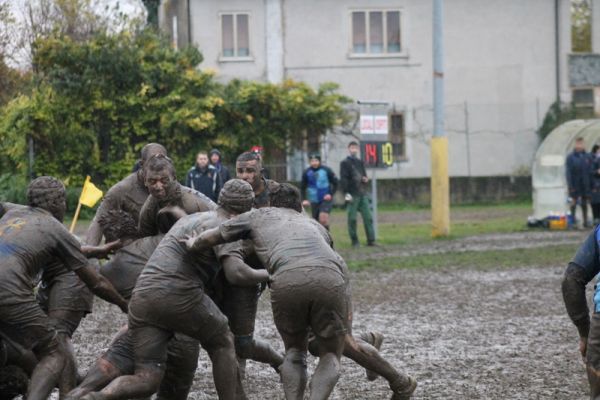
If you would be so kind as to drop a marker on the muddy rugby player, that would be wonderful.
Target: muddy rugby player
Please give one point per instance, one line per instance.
(309, 288)
(31, 238)
(159, 179)
(170, 292)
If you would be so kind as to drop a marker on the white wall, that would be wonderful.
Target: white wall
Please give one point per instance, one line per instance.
(499, 60)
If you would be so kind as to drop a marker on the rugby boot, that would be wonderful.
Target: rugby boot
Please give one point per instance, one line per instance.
(404, 390)
(375, 339)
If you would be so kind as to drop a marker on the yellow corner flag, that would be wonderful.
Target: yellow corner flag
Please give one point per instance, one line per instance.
(90, 195)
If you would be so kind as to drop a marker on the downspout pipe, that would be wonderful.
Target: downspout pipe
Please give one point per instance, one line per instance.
(557, 46)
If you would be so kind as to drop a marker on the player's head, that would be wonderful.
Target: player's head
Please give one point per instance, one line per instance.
(48, 193)
(152, 149)
(315, 160)
(159, 176)
(286, 196)
(237, 196)
(117, 224)
(248, 167)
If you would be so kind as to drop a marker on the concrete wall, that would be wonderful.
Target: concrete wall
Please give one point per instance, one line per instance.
(500, 70)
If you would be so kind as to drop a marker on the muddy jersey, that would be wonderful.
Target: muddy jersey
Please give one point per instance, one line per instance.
(127, 195)
(175, 272)
(31, 238)
(262, 200)
(126, 265)
(188, 199)
(243, 250)
(283, 238)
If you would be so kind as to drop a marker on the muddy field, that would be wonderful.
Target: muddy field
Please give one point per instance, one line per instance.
(495, 334)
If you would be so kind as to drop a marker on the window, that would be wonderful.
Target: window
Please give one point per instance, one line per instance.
(397, 137)
(235, 35)
(376, 32)
(583, 100)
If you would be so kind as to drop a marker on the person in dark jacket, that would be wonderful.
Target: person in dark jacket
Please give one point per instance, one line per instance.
(204, 178)
(578, 179)
(595, 184)
(581, 271)
(319, 184)
(215, 161)
(354, 180)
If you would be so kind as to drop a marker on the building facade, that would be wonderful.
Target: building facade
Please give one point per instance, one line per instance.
(506, 62)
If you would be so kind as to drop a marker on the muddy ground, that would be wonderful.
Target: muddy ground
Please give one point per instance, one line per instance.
(464, 334)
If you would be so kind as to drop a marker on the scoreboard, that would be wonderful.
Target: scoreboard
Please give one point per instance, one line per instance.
(377, 154)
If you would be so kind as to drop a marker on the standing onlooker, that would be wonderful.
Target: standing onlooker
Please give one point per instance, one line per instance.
(204, 178)
(595, 184)
(215, 161)
(578, 179)
(319, 183)
(353, 178)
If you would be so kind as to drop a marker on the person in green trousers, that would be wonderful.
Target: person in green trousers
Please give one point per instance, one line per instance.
(354, 182)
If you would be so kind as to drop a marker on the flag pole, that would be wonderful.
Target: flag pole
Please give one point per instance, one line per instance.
(72, 228)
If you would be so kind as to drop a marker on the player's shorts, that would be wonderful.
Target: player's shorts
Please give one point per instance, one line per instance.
(66, 292)
(239, 304)
(314, 297)
(26, 324)
(322, 207)
(155, 317)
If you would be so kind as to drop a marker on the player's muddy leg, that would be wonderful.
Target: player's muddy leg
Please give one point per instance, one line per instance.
(369, 358)
(594, 380)
(101, 374)
(182, 361)
(221, 351)
(375, 339)
(247, 347)
(293, 370)
(144, 383)
(46, 374)
(327, 372)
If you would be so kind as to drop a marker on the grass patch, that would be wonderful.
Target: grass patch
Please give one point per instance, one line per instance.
(551, 255)
(403, 234)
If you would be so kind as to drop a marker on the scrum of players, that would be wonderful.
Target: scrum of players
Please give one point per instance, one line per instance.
(189, 273)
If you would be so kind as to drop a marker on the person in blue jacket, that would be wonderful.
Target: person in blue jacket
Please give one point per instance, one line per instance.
(319, 184)
(581, 271)
(578, 179)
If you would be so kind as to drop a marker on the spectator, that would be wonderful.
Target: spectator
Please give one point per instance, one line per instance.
(353, 178)
(319, 184)
(204, 178)
(578, 179)
(595, 184)
(215, 161)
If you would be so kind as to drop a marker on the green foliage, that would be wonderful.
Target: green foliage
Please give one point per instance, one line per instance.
(559, 113)
(270, 115)
(96, 102)
(581, 26)
(152, 10)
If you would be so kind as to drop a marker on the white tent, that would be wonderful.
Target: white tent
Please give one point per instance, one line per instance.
(550, 191)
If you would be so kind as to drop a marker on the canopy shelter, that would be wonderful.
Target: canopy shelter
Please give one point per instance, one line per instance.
(548, 174)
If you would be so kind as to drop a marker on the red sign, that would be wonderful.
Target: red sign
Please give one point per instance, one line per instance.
(377, 154)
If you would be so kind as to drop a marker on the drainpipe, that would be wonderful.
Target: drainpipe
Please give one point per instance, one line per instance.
(189, 24)
(557, 46)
